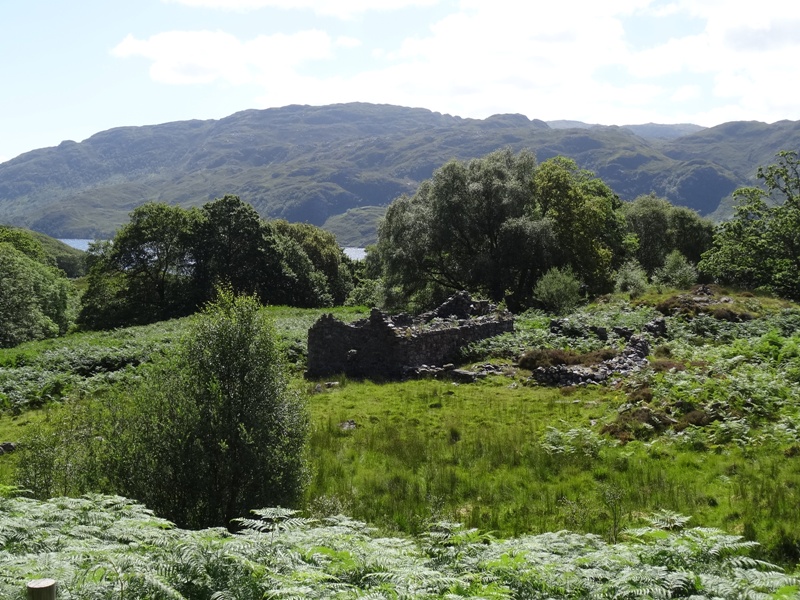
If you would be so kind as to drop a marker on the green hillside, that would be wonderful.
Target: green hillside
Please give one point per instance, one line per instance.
(312, 164)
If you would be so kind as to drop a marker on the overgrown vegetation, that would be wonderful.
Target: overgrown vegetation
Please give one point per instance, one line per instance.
(167, 261)
(36, 300)
(200, 437)
(708, 426)
(760, 246)
(108, 547)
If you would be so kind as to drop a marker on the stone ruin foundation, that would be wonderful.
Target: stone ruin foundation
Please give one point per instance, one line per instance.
(392, 346)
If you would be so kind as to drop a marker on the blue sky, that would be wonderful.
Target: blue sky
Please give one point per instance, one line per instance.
(72, 69)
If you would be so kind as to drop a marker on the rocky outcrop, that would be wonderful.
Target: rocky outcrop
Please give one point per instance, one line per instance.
(632, 359)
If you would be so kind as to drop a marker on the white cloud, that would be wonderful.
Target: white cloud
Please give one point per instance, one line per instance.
(549, 61)
(686, 93)
(191, 57)
(343, 9)
(344, 41)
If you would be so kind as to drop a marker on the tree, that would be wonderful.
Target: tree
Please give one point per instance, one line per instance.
(326, 257)
(145, 274)
(202, 438)
(676, 272)
(661, 227)
(471, 226)
(760, 246)
(34, 298)
(167, 261)
(589, 229)
(558, 290)
(233, 246)
(25, 243)
(242, 428)
(495, 225)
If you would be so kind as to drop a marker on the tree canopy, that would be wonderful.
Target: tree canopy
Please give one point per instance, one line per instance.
(167, 261)
(34, 294)
(661, 227)
(495, 225)
(760, 246)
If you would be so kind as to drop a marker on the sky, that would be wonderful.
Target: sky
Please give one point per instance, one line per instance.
(70, 69)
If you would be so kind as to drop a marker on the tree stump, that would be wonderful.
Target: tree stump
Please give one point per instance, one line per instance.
(42, 589)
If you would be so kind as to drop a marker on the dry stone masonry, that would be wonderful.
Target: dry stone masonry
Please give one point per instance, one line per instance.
(632, 359)
(395, 346)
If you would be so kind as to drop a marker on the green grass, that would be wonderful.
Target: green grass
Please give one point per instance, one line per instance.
(512, 457)
(431, 449)
(525, 460)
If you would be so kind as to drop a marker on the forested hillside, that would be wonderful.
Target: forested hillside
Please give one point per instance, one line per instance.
(314, 164)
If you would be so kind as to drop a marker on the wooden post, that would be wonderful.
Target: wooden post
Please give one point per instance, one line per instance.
(42, 589)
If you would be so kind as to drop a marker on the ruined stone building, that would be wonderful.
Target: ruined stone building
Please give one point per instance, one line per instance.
(389, 346)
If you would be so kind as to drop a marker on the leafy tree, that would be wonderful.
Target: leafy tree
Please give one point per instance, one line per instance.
(145, 274)
(471, 226)
(661, 227)
(25, 243)
(631, 278)
(34, 298)
(588, 227)
(326, 258)
(760, 246)
(224, 434)
(300, 284)
(202, 438)
(234, 247)
(494, 225)
(168, 260)
(676, 272)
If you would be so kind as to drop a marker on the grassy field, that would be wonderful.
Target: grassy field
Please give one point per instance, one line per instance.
(510, 456)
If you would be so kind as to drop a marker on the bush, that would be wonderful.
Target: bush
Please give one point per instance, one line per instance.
(202, 439)
(631, 278)
(222, 433)
(548, 357)
(367, 293)
(677, 272)
(558, 290)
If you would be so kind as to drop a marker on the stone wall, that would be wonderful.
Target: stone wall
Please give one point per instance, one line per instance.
(384, 346)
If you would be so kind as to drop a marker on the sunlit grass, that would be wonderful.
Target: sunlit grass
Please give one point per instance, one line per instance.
(508, 456)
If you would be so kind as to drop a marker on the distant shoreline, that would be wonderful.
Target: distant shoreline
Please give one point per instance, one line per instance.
(83, 244)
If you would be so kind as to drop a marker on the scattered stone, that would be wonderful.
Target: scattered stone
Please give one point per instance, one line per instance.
(623, 332)
(7, 447)
(630, 360)
(331, 384)
(463, 376)
(657, 327)
(348, 425)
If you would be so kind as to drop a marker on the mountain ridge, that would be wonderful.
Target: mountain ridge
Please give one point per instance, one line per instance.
(319, 163)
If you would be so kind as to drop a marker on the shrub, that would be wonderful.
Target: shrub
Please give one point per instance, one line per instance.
(202, 438)
(221, 432)
(631, 278)
(677, 272)
(548, 357)
(367, 293)
(558, 290)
